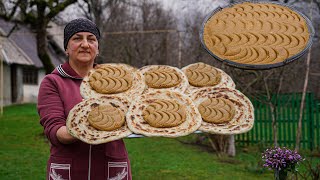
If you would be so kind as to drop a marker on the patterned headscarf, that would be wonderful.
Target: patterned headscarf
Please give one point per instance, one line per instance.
(79, 25)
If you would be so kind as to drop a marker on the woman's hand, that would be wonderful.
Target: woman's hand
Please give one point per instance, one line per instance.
(64, 137)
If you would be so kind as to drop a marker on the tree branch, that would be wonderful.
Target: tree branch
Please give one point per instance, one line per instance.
(57, 9)
(298, 135)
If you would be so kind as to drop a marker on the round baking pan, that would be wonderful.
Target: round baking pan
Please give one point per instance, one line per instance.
(259, 66)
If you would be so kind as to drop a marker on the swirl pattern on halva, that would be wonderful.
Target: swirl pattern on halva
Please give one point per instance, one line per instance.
(78, 124)
(201, 75)
(216, 110)
(256, 33)
(164, 113)
(176, 112)
(162, 77)
(237, 108)
(106, 117)
(111, 80)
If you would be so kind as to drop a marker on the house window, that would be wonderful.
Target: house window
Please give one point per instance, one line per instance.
(30, 76)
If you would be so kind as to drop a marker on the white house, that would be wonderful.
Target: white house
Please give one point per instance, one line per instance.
(22, 70)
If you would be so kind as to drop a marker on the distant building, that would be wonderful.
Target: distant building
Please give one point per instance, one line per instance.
(22, 68)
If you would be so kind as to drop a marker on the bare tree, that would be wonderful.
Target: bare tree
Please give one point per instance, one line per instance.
(299, 128)
(137, 33)
(38, 14)
(267, 86)
(102, 12)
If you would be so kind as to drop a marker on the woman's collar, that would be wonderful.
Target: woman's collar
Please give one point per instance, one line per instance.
(66, 70)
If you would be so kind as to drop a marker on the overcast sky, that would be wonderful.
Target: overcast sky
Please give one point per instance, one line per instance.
(187, 8)
(191, 5)
(180, 8)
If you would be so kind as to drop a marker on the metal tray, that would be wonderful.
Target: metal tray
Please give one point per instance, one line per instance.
(257, 66)
(140, 136)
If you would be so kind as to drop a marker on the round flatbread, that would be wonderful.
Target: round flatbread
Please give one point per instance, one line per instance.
(78, 124)
(204, 75)
(164, 77)
(113, 80)
(224, 110)
(173, 114)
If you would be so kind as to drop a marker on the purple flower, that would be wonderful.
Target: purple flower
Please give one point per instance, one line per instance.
(281, 158)
(290, 157)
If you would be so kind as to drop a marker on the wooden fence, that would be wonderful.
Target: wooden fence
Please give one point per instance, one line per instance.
(287, 114)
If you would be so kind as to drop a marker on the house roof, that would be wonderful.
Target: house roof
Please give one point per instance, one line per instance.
(21, 48)
(12, 54)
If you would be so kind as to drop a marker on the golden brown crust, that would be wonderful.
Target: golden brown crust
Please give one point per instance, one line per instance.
(256, 33)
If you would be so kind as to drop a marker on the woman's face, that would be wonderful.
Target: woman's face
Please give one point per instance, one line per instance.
(82, 47)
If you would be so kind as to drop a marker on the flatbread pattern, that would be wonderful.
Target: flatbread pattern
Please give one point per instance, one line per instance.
(138, 125)
(243, 118)
(78, 125)
(200, 70)
(164, 73)
(137, 85)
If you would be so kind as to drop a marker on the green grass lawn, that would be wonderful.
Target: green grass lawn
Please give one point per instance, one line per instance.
(163, 158)
(24, 152)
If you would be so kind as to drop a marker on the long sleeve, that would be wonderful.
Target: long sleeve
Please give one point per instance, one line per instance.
(50, 109)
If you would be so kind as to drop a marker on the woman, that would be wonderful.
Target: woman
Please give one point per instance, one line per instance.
(59, 92)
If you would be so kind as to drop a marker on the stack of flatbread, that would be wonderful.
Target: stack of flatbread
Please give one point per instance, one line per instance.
(163, 113)
(163, 109)
(158, 100)
(107, 91)
(224, 110)
(161, 100)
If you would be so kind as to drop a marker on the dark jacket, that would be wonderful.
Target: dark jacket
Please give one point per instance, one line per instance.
(58, 93)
